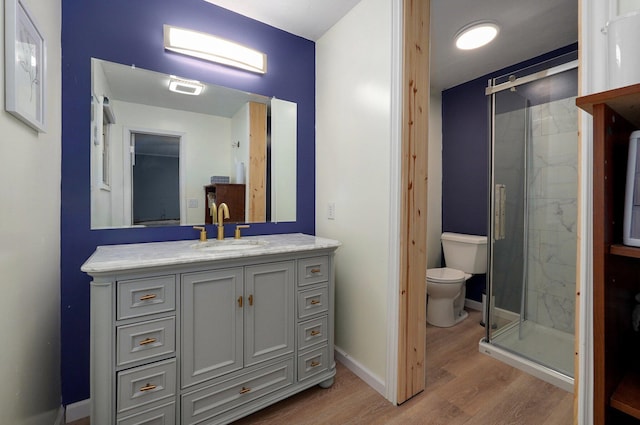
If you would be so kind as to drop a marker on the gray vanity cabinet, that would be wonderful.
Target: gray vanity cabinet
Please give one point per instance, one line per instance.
(212, 324)
(179, 337)
(269, 311)
(234, 318)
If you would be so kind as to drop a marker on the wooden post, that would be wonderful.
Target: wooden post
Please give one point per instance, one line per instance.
(257, 162)
(413, 230)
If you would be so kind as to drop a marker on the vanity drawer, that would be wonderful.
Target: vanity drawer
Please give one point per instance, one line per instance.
(214, 400)
(313, 301)
(312, 332)
(140, 297)
(146, 384)
(143, 341)
(313, 362)
(313, 270)
(163, 415)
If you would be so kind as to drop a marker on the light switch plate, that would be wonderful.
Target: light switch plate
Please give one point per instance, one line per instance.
(331, 211)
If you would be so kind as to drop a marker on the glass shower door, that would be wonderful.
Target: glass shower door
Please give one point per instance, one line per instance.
(533, 219)
(509, 209)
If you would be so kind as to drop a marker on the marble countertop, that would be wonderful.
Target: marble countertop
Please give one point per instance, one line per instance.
(110, 258)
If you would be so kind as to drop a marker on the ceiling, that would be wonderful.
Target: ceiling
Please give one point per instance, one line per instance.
(528, 28)
(135, 85)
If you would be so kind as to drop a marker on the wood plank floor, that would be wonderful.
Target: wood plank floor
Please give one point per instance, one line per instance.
(463, 386)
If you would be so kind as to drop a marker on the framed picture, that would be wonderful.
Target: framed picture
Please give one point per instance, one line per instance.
(25, 66)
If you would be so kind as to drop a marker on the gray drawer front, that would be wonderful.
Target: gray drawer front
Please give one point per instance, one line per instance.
(225, 395)
(313, 301)
(313, 362)
(146, 296)
(312, 332)
(146, 384)
(313, 270)
(163, 415)
(146, 340)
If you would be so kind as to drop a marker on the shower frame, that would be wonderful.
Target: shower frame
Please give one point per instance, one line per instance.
(510, 357)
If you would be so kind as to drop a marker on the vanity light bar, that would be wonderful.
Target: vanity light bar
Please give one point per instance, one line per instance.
(214, 49)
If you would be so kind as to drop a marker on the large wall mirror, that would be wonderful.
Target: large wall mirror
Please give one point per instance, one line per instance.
(160, 157)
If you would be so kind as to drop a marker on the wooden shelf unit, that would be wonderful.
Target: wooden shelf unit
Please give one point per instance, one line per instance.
(231, 194)
(626, 397)
(616, 268)
(625, 251)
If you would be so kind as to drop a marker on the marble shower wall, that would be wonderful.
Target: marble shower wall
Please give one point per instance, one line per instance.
(553, 189)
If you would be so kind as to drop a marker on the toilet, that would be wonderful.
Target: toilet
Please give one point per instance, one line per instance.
(465, 255)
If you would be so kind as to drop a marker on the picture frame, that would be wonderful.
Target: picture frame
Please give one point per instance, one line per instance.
(25, 66)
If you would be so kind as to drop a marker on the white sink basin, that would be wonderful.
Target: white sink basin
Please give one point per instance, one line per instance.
(229, 244)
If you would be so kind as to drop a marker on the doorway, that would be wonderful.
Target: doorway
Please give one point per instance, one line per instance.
(155, 179)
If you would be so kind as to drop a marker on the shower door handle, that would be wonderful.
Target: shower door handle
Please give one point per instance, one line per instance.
(500, 198)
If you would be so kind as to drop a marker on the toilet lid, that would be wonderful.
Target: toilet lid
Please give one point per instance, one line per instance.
(445, 275)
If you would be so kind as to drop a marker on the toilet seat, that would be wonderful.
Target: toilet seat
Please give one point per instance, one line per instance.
(445, 275)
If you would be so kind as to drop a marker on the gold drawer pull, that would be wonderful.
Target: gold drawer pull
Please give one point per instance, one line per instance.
(314, 364)
(245, 390)
(240, 301)
(148, 341)
(148, 387)
(315, 333)
(314, 302)
(250, 299)
(148, 297)
(315, 271)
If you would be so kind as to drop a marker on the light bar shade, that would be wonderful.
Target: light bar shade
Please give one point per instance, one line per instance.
(214, 49)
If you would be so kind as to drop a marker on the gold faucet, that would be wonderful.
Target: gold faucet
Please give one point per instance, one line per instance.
(239, 228)
(213, 212)
(203, 233)
(223, 212)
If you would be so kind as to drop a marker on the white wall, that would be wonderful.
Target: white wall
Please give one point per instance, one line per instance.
(30, 245)
(100, 198)
(207, 149)
(353, 146)
(626, 6)
(434, 183)
(283, 160)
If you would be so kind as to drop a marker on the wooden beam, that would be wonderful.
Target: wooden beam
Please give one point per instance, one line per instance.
(413, 221)
(257, 162)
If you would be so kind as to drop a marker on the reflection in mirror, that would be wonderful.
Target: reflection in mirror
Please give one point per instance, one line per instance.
(160, 157)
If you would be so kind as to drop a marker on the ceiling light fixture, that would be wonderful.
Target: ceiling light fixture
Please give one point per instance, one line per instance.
(183, 86)
(215, 49)
(476, 35)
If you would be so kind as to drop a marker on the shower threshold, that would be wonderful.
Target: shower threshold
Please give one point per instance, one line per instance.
(518, 361)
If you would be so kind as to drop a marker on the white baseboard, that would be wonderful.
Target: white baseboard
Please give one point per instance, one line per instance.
(472, 304)
(60, 417)
(360, 371)
(78, 410)
(507, 315)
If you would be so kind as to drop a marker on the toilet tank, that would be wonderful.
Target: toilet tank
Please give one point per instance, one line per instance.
(465, 252)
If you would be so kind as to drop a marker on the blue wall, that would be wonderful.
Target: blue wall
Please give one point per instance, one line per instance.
(130, 32)
(466, 147)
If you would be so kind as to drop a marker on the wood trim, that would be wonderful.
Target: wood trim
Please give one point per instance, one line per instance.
(623, 100)
(257, 188)
(599, 238)
(413, 208)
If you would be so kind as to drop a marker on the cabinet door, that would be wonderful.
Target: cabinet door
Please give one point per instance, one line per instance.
(211, 324)
(269, 313)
